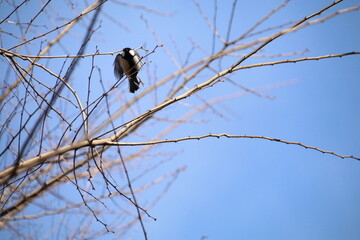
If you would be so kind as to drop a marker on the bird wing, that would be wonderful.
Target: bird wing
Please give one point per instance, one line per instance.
(118, 71)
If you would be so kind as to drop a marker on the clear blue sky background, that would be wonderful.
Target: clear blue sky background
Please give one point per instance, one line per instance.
(243, 188)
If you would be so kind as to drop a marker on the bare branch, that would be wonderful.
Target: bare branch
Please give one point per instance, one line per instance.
(230, 136)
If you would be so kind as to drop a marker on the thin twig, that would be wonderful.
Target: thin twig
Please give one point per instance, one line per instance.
(230, 136)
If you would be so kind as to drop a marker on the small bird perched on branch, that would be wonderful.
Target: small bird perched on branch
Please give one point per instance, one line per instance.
(128, 62)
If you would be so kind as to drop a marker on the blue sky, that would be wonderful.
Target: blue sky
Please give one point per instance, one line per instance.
(247, 188)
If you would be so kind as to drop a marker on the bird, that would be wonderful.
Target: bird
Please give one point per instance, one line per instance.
(129, 63)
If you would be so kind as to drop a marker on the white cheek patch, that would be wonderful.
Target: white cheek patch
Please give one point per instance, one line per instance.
(132, 52)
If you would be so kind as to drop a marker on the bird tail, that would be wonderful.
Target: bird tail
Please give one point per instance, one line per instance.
(134, 83)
